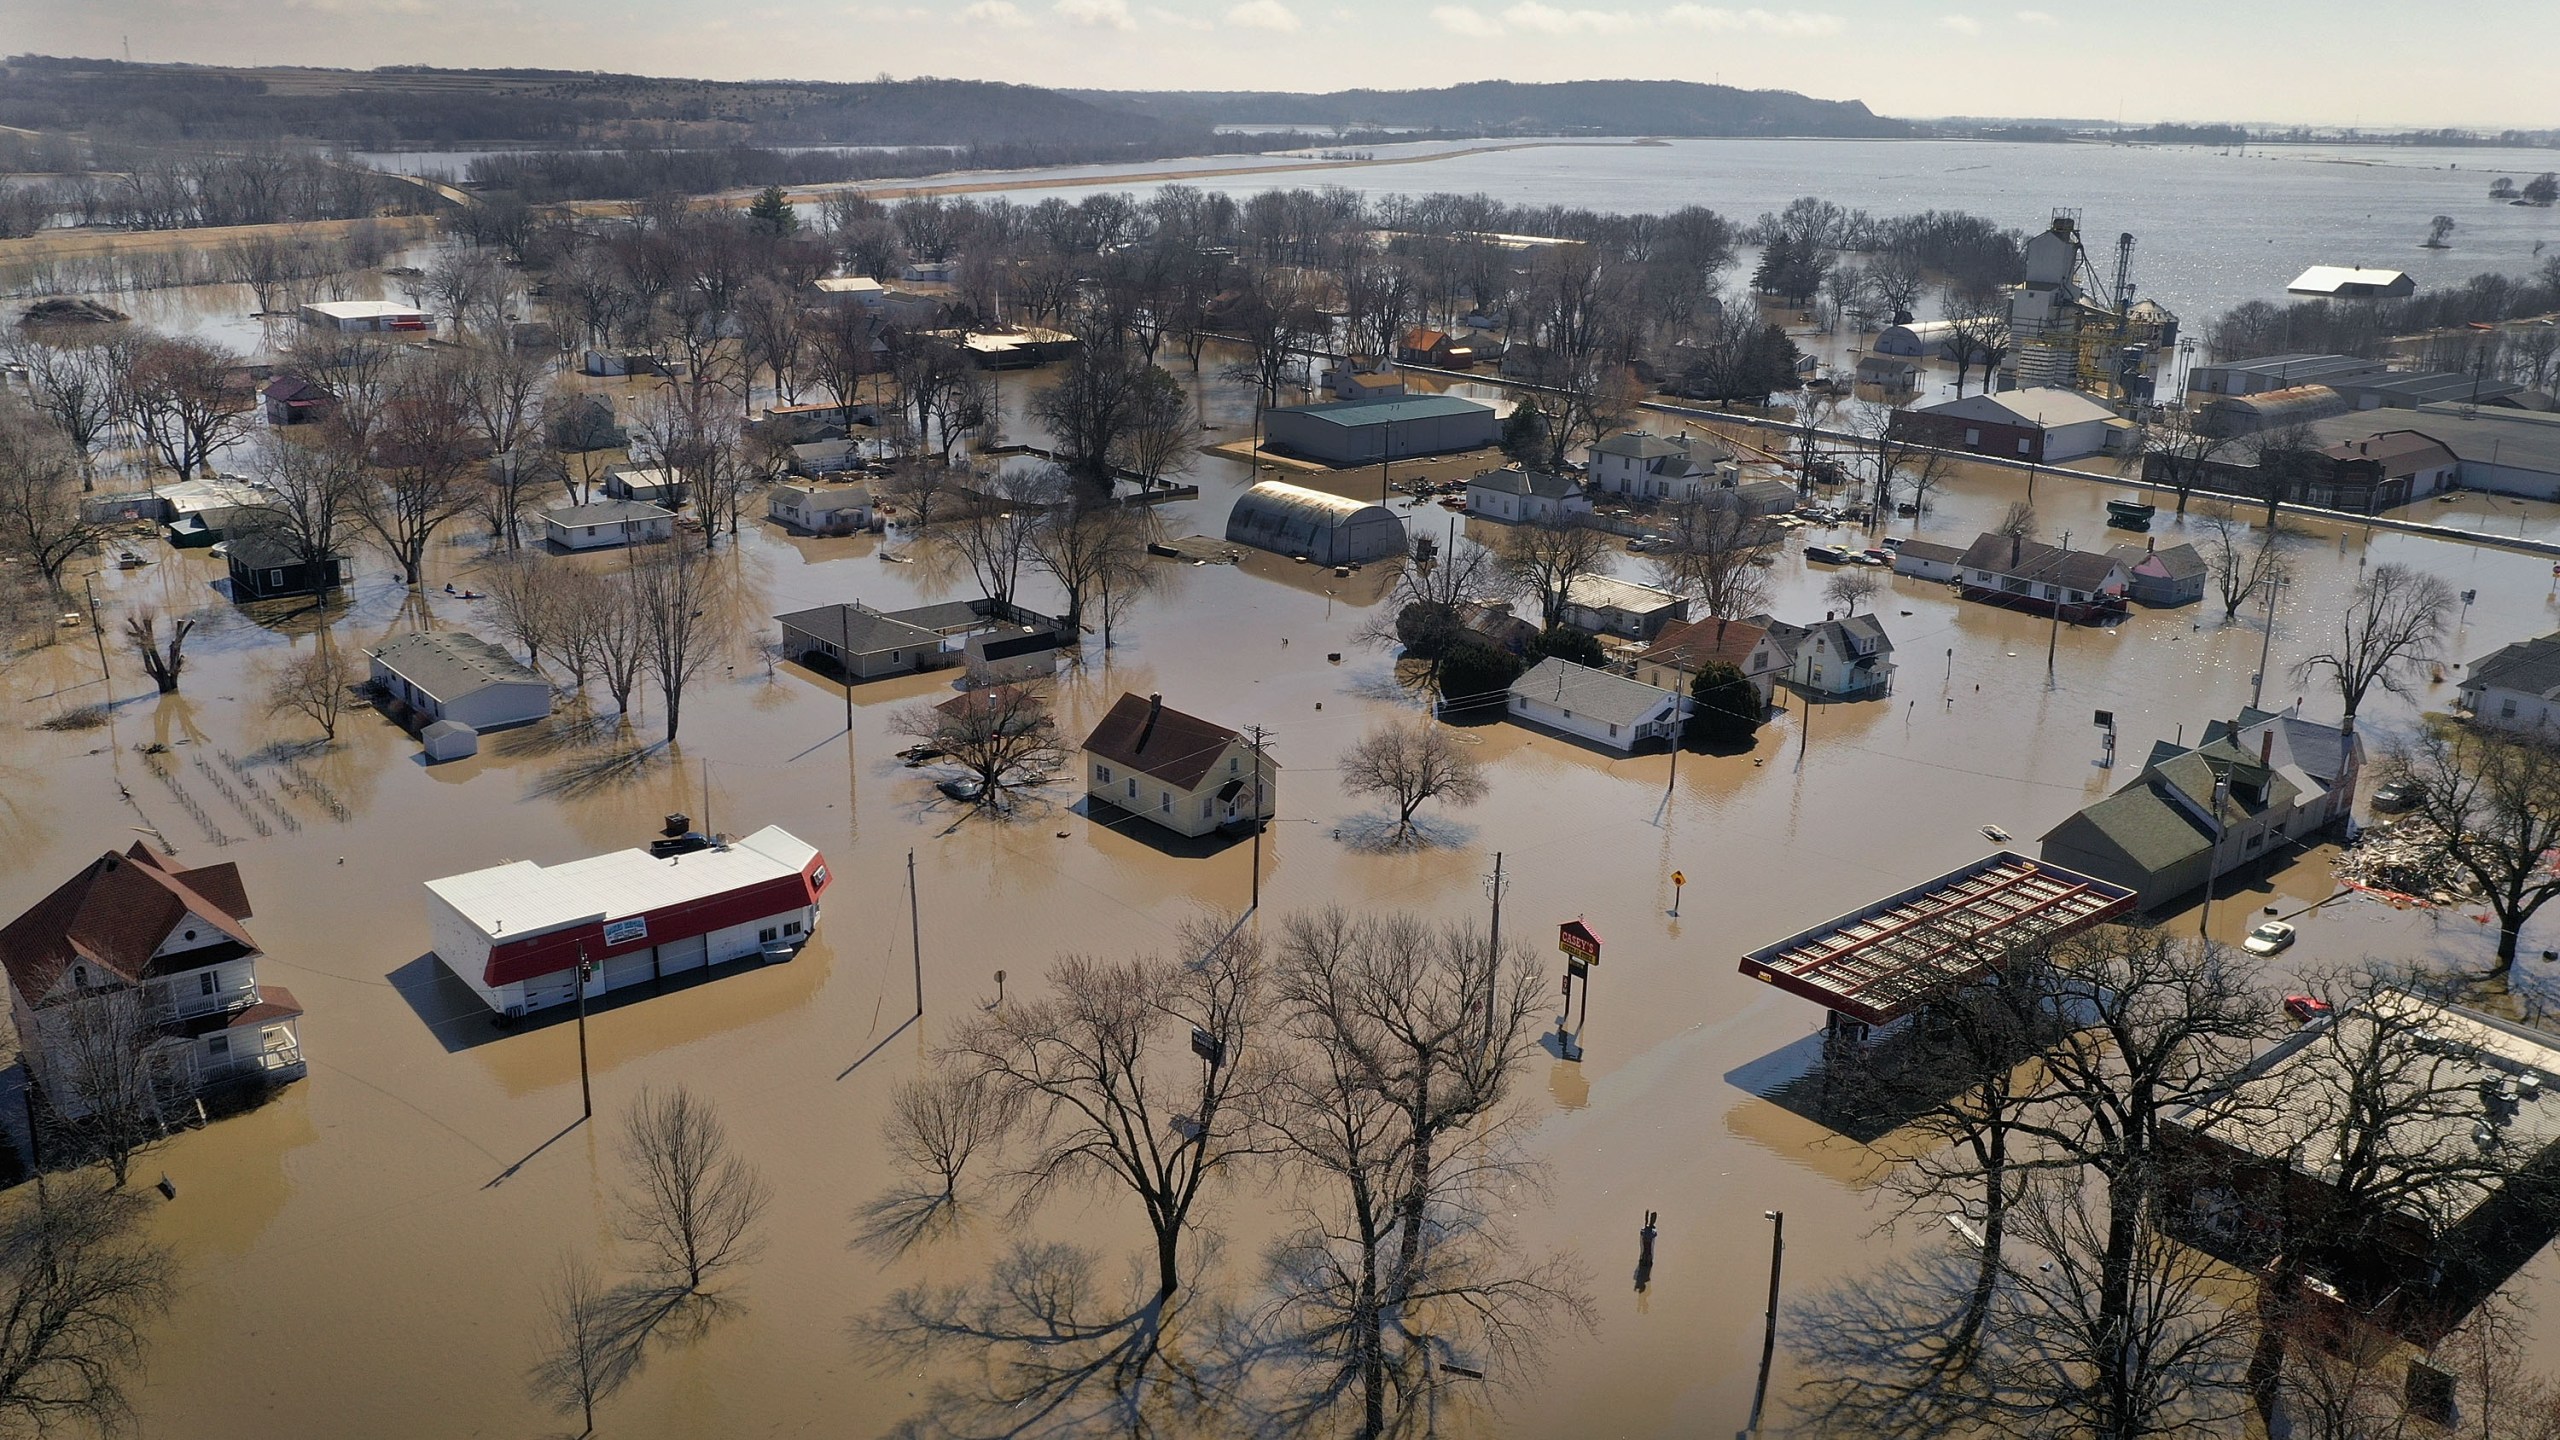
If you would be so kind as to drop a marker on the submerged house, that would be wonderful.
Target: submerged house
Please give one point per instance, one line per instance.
(2161, 578)
(2251, 788)
(1189, 775)
(1842, 658)
(134, 982)
(2515, 687)
(1608, 709)
(2030, 575)
(446, 675)
(266, 566)
(1676, 656)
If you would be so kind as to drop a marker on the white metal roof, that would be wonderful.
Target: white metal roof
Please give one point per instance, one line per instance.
(524, 898)
(363, 309)
(2330, 279)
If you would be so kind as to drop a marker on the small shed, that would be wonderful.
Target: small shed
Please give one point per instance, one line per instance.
(296, 400)
(2158, 577)
(653, 484)
(1327, 529)
(367, 317)
(449, 740)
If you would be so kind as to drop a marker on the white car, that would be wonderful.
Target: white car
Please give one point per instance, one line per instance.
(2269, 938)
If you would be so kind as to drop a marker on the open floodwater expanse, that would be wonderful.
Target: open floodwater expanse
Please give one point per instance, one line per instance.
(366, 1254)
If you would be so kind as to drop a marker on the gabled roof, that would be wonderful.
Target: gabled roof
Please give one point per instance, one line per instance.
(2398, 452)
(1515, 480)
(608, 512)
(2035, 407)
(2035, 560)
(1696, 644)
(1932, 551)
(1608, 592)
(2530, 667)
(1143, 734)
(1603, 696)
(114, 914)
(2178, 562)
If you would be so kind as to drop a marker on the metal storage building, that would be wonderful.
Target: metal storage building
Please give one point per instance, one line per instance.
(516, 933)
(1398, 427)
(1327, 529)
(449, 675)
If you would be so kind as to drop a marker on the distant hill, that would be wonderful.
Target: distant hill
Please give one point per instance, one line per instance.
(412, 107)
(1595, 107)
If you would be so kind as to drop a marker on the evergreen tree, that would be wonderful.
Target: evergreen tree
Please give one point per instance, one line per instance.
(772, 212)
(1476, 674)
(1727, 712)
(1524, 433)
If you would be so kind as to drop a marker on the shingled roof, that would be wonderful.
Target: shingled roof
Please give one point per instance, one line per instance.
(114, 914)
(1143, 735)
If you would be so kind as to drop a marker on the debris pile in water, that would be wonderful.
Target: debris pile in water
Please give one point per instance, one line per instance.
(2405, 859)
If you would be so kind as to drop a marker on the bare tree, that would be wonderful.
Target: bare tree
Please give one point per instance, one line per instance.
(419, 456)
(918, 485)
(189, 398)
(2492, 802)
(313, 685)
(41, 522)
(74, 385)
(2393, 625)
(162, 664)
(1852, 588)
(1425, 615)
(2183, 445)
(83, 1289)
(774, 334)
(1408, 1038)
(2018, 522)
(1544, 561)
(1102, 1084)
(672, 613)
(993, 534)
(1410, 765)
(688, 1201)
(1077, 536)
(938, 1124)
(1003, 735)
(583, 1359)
(2240, 557)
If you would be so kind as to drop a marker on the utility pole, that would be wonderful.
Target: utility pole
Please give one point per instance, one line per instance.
(1769, 1336)
(2258, 683)
(1493, 961)
(915, 930)
(586, 1092)
(706, 798)
(2053, 641)
(97, 631)
(2213, 858)
(1257, 821)
(1804, 732)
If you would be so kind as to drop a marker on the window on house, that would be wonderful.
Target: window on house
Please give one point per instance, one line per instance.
(275, 578)
(769, 934)
(1164, 801)
(1613, 732)
(2022, 447)
(205, 983)
(1133, 787)
(1102, 774)
(2507, 710)
(1232, 762)
(1205, 803)
(219, 1047)
(1972, 437)
(790, 927)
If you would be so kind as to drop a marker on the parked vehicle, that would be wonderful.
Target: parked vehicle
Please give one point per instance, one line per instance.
(1826, 554)
(2269, 938)
(2305, 1008)
(684, 844)
(1873, 555)
(2395, 796)
(960, 787)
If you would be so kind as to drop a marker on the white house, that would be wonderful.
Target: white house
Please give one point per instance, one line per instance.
(647, 483)
(1838, 659)
(2516, 687)
(132, 956)
(1607, 709)
(608, 523)
(1928, 560)
(517, 933)
(821, 509)
(1189, 775)
(450, 675)
(1515, 494)
(1607, 605)
(1659, 467)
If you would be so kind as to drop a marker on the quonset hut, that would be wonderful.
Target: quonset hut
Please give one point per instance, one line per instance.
(1327, 529)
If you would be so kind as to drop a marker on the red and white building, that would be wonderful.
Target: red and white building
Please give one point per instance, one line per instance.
(516, 933)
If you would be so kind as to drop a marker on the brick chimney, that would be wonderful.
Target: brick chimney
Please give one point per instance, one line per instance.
(1155, 707)
(2266, 743)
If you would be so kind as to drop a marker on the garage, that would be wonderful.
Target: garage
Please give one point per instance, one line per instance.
(553, 989)
(677, 956)
(637, 968)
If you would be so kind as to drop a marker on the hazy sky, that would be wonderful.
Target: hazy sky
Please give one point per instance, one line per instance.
(2345, 61)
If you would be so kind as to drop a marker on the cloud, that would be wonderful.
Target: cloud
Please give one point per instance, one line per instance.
(1799, 23)
(1097, 14)
(1548, 20)
(1001, 14)
(2037, 18)
(1961, 24)
(1459, 20)
(1264, 15)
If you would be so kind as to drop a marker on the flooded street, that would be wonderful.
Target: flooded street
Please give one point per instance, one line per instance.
(365, 1255)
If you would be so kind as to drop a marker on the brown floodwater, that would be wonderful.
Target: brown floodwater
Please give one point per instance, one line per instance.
(364, 1255)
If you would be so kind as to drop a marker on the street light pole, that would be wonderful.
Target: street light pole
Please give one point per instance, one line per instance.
(1769, 1335)
(2258, 685)
(2053, 641)
(915, 930)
